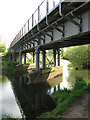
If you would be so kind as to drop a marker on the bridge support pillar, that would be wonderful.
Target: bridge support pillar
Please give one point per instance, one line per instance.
(43, 59)
(58, 57)
(33, 56)
(13, 57)
(37, 58)
(20, 57)
(54, 55)
(24, 58)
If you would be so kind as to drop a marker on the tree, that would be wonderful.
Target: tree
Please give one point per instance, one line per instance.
(78, 55)
(50, 53)
(62, 52)
(2, 48)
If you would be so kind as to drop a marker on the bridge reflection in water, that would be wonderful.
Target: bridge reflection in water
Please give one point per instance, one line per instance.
(33, 99)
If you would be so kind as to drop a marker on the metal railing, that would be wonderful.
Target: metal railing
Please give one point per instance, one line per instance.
(43, 9)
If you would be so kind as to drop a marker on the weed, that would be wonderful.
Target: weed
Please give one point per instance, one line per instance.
(65, 98)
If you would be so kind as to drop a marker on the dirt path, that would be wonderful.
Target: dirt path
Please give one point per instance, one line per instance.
(78, 110)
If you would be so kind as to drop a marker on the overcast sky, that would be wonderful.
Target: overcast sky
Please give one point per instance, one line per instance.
(13, 15)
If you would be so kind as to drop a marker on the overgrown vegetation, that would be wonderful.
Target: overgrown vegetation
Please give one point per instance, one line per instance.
(78, 55)
(8, 117)
(2, 48)
(65, 98)
(7, 53)
(9, 66)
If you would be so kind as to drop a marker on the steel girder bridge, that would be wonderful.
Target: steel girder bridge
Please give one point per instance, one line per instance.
(53, 26)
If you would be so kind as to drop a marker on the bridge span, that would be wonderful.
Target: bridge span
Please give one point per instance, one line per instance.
(65, 24)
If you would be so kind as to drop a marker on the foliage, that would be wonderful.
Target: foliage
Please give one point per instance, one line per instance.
(62, 52)
(50, 53)
(78, 55)
(7, 53)
(2, 48)
(9, 66)
(8, 117)
(65, 98)
(4, 78)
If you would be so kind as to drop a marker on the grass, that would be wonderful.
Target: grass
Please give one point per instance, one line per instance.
(65, 98)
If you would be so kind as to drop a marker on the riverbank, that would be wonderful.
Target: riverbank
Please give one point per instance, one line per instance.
(64, 97)
(33, 75)
(71, 104)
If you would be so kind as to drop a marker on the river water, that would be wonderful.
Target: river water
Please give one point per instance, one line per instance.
(21, 100)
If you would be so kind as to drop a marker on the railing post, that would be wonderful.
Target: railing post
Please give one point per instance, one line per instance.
(53, 3)
(24, 29)
(60, 7)
(38, 13)
(32, 20)
(47, 7)
(22, 32)
(28, 25)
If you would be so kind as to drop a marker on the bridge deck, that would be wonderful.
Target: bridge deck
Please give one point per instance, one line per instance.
(52, 31)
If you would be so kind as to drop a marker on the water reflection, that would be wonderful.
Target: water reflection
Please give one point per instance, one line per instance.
(32, 99)
(9, 105)
(23, 99)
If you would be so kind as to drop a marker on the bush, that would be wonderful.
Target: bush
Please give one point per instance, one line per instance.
(78, 55)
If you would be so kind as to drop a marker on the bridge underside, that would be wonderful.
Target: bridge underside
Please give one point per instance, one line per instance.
(60, 28)
(80, 39)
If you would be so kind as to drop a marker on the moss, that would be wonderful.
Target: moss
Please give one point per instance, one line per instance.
(52, 69)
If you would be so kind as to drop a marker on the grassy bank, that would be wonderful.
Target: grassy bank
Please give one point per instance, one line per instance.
(65, 98)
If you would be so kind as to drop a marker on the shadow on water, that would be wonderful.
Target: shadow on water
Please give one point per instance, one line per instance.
(33, 99)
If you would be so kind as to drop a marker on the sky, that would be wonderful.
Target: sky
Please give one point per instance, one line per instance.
(13, 15)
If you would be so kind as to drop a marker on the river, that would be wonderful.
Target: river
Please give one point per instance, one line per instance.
(21, 100)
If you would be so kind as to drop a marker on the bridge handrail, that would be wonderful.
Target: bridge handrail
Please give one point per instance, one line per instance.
(32, 21)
